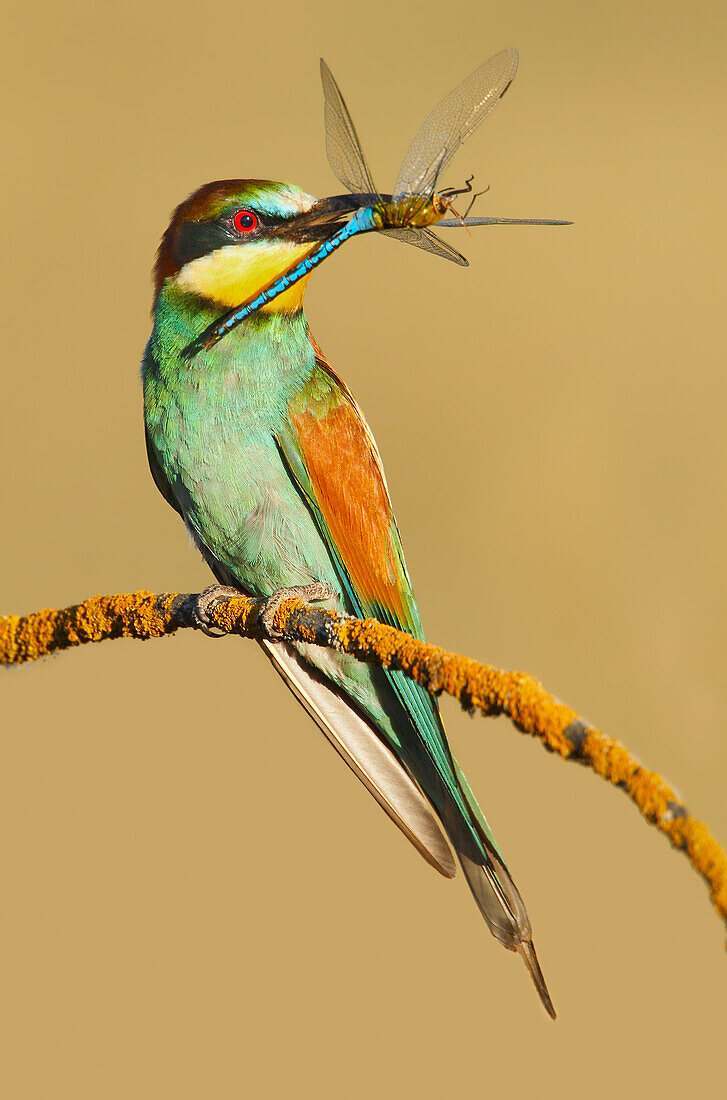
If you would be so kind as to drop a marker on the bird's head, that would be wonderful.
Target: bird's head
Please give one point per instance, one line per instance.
(231, 238)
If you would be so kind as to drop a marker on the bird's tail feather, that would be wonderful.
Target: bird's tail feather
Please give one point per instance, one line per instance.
(493, 889)
(364, 751)
(527, 951)
(497, 896)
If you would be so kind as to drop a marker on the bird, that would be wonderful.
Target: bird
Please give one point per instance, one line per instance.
(263, 451)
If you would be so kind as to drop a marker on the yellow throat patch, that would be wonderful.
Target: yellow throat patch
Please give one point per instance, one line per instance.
(233, 274)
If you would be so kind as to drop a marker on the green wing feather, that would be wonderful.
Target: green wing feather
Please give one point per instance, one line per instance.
(333, 458)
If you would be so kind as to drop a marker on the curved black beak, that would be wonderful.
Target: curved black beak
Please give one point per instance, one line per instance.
(326, 216)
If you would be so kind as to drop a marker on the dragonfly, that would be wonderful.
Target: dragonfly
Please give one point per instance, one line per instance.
(415, 204)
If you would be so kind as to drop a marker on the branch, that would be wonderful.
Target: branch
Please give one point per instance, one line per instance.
(480, 687)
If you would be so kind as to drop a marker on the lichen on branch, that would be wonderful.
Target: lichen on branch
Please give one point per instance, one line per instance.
(477, 687)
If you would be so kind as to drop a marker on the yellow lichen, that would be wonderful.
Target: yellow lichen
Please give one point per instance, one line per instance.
(480, 687)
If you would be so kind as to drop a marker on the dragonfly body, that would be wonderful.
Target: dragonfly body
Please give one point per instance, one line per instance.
(410, 213)
(415, 206)
(260, 447)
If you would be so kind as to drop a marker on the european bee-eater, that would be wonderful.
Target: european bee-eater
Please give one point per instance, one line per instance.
(263, 451)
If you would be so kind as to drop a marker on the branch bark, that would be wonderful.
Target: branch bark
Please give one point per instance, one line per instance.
(477, 687)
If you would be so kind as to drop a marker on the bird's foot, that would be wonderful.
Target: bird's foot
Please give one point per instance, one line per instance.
(310, 593)
(212, 595)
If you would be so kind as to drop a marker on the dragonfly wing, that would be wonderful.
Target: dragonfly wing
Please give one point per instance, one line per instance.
(451, 122)
(466, 223)
(430, 242)
(343, 149)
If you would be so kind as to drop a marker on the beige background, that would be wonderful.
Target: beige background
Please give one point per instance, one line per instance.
(197, 898)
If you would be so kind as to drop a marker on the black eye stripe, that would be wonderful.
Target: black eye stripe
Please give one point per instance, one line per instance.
(265, 221)
(196, 239)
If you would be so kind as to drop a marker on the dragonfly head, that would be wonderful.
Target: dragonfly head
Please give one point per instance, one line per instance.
(422, 211)
(444, 202)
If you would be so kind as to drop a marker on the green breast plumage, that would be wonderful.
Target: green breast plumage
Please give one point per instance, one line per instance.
(211, 426)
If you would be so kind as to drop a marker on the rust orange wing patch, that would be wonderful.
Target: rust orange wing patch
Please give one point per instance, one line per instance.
(348, 487)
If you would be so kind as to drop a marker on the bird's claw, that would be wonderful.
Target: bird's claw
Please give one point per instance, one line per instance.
(206, 600)
(310, 593)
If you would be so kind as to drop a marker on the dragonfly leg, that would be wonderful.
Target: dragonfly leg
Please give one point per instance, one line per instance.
(449, 192)
(446, 198)
(474, 199)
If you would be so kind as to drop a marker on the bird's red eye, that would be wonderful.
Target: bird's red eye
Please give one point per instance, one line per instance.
(245, 221)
